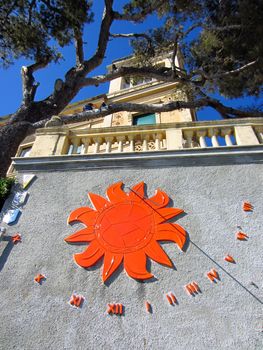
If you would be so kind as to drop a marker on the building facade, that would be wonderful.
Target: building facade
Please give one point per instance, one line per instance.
(171, 201)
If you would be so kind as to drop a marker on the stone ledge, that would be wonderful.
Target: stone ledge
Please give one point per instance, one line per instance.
(185, 157)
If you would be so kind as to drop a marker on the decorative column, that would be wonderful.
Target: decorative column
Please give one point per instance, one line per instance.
(120, 140)
(158, 139)
(201, 134)
(109, 140)
(189, 138)
(226, 134)
(145, 142)
(98, 141)
(131, 140)
(86, 143)
(213, 134)
(75, 142)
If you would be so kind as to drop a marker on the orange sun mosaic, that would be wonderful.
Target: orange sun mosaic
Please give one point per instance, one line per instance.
(126, 228)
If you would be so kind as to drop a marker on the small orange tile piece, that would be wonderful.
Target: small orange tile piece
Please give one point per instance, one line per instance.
(169, 299)
(148, 307)
(173, 298)
(196, 286)
(214, 273)
(76, 300)
(247, 206)
(111, 309)
(229, 259)
(192, 288)
(39, 278)
(211, 277)
(16, 238)
(241, 236)
(188, 289)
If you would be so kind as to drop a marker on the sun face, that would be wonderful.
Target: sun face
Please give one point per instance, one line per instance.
(126, 228)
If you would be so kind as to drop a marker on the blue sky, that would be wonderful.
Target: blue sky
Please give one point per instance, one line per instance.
(10, 97)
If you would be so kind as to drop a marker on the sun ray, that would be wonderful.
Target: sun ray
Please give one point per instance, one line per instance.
(171, 232)
(97, 201)
(90, 256)
(159, 200)
(165, 214)
(155, 252)
(83, 214)
(115, 193)
(135, 265)
(85, 235)
(137, 192)
(111, 263)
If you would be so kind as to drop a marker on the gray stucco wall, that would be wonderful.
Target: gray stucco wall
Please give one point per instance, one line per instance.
(224, 316)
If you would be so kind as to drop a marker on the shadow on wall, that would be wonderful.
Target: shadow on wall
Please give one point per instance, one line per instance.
(6, 250)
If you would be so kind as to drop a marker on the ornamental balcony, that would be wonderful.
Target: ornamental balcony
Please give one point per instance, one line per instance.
(147, 138)
(66, 143)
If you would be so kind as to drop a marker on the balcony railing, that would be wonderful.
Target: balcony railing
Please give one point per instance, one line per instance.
(126, 141)
(148, 138)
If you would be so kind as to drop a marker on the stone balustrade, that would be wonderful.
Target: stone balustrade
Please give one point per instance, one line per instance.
(128, 141)
(148, 138)
(209, 137)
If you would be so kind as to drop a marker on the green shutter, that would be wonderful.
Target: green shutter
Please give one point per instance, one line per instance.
(144, 119)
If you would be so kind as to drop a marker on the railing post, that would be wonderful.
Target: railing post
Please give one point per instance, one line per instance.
(109, 140)
(131, 140)
(86, 142)
(45, 144)
(75, 142)
(213, 134)
(189, 138)
(98, 141)
(158, 139)
(201, 134)
(245, 135)
(145, 142)
(174, 138)
(120, 140)
(226, 134)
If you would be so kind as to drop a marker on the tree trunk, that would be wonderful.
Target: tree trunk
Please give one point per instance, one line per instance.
(11, 135)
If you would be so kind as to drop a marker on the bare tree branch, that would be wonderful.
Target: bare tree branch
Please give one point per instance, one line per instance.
(28, 80)
(61, 96)
(236, 71)
(79, 46)
(161, 74)
(205, 77)
(130, 35)
(225, 111)
(107, 19)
